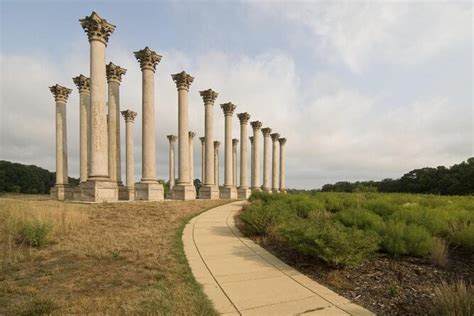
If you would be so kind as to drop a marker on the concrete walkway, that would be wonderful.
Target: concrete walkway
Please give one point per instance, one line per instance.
(241, 278)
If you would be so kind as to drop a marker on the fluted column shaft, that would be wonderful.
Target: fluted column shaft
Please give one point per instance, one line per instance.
(61, 144)
(129, 117)
(148, 126)
(172, 141)
(83, 84)
(266, 158)
(234, 161)
(191, 157)
(256, 125)
(183, 138)
(114, 130)
(244, 119)
(252, 168)
(216, 163)
(282, 164)
(209, 96)
(203, 158)
(275, 153)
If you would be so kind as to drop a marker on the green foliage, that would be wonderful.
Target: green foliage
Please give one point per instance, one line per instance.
(362, 219)
(34, 233)
(399, 238)
(18, 178)
(464, 237)
(456, 180)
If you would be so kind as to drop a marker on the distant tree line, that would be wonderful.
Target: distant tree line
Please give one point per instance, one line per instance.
(19, 178)
(456, 180)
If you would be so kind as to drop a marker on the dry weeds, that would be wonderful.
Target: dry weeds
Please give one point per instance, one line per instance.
(108, 258)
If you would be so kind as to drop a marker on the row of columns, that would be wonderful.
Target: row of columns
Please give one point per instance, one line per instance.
(100, 162)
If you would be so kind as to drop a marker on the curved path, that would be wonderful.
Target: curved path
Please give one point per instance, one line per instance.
(241, 278)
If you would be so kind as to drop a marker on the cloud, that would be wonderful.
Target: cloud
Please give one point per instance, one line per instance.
(363, 33)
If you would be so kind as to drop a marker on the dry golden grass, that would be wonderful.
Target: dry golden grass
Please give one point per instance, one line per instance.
(455, 299)
(107, 258)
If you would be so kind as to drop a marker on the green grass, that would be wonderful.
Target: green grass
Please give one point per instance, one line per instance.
(346, 228)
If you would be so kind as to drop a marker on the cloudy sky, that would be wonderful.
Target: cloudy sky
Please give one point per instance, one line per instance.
(362, 90)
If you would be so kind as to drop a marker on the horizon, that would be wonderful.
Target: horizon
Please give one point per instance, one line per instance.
(362, 91)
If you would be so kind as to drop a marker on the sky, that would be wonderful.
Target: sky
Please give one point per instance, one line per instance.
(362, 90)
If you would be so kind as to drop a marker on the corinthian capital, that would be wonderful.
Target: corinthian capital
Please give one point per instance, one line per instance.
(61, 94)
(129, 116)
(191, 135)
(216, 144)
(97, 28)
(147, 58)
(183, 80)
(266, 131)
(275, 137)
(208, 96)
(243, 117)
(202, 139)
(83, 83)
(172, 138)
(235, 141)
(282, 141)
(251, 139)
(228, 108)
(114, 72)
(256, 125)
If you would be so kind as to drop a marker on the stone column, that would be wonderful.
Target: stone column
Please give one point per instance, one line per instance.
(266, 158)
(191, 157)
(256, 125)
(210, 187)
(282, 165)
(228, 191)
(114, 77)
(183, 189)
(98, 187)
(172, 139)
(203, 152)
(129, 117)
(235, 142)
(275, 143)
(148, 188)
(61, 190)
(252, 184)
(243, 192)
(216, 163)
(83, 85)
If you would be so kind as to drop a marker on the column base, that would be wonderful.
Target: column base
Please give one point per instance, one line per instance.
(243, 193)
(283, 191)
(209, 192)
(149, 191)
(184, 192)
(275, 190)
(268, 190)
(228, 193)
(256, 189)
(62, 192)
(99, 191)
(123, 192)
(169, 194)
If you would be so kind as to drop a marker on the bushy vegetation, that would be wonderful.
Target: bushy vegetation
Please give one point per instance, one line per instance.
(455, 180)
(344, 228)
(19, 178)
(454, 299)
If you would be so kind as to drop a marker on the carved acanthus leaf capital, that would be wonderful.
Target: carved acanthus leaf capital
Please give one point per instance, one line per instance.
(282, 141)
(251, 139)
(83, 83)
(216, 144)
(129, 115)
(243, 117)
(191, 135)
(228, 108)
(202, 139)
(266, 131)
(147, 58)
(61, 94)
(275, 137)
(235, 141)
(114, 72)
(172, 138)
(97, 28)
(209, 96)
(256, 125)
(183, 80)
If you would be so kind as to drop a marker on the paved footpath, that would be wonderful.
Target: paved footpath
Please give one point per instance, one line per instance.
(241, 278)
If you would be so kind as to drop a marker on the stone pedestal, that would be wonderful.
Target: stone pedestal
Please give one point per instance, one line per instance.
(149, 191)
(228, 192)
(99, 191)
(184, 192)
(209, 192)
(62, 192)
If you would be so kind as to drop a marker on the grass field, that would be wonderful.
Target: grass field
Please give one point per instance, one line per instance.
(415, 247)
(103, 259)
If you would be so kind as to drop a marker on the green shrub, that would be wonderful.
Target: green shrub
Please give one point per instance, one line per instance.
(258, 218)
(34, 233)
(464, 237)
(303, 205)
(381, 207)
(362, 219)
(399, 238)
(329, 241)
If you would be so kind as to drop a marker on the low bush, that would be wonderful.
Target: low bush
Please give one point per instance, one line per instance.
(362, 219)
(34, 233)
(464, 237)
(330, 241)
(399, 238)
(454, 299)
(439, 252)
